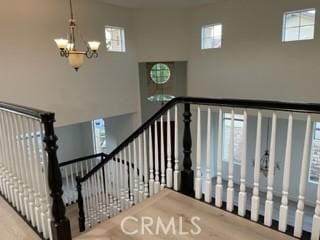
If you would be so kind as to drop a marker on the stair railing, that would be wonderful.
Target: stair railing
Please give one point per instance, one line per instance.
(149, 162)
(30, 178)
(76, 167)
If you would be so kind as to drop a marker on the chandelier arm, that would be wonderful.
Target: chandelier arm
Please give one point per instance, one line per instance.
(89, 53)
(67, 53)
(64, 52)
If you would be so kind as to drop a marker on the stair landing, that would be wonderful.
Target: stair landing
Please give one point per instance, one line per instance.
(215, 223)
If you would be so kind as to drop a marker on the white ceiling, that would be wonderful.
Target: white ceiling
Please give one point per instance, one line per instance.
(158, 3)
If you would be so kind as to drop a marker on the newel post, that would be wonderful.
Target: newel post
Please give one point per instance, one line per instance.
(80, 205)
(60, 224)
(187, 179)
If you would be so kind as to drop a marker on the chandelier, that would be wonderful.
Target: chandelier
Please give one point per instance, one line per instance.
(68, 47)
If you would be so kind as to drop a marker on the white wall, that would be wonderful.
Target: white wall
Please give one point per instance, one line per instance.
(253, 62)
(118, 129)
(161, 34)
(74, 141)
(33, 73)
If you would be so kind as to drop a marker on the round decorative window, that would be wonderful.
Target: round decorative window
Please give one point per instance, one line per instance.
(160, 73)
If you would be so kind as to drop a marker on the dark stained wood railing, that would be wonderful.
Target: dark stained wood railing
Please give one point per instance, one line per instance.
(29, 123)
(60, 225)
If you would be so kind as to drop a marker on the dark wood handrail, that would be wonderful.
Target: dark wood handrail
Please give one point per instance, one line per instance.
(82, 159)
(221, 102)
(32, 112)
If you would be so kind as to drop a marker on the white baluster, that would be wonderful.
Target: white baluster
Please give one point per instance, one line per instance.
(136, 180)
(4, 169)
(131, 177)
(110, 184)
(197, 180)
(76, 174)
(121, 180)
(18, 166)
(219, 187)
(315, 233)
(118, 182)
(107, 189)
(33, 180)
(242, 194)
(92, 201)
(208, 182)
(169, 157)
(36, 167)
(16, 187)
(1, 150)
(141, 184)
(269, 201)
(46, 206)
(151, 180)
(7, 173)
(113, 173)
(82, 169)
(97, 193)
(145, 166)
(176, 173)
(21, 162)
(230, 189)
(283, 215)
(156, 159)
(110, 187)
(26, 160)
(101, 193)
(298, 223)
(72, 190)
(2, 158)
(163, 175)
(255, 202)
(67, 184)
(85, 209)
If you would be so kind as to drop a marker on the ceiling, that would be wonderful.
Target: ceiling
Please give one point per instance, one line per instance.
(158, 3)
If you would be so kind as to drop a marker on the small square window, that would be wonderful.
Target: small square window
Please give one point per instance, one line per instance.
(298, 25)
(115, 39)
(211, 36)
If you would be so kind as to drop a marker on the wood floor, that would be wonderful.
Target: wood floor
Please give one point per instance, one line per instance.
(215, 224)
(12, 227)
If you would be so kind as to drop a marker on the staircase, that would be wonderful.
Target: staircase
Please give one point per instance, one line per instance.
(160, 156)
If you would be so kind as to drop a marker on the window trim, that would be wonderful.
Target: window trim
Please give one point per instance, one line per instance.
(284, 25)
(203, 38)
(122, 39)
(310, 158)
(94, 133)
(223, 127)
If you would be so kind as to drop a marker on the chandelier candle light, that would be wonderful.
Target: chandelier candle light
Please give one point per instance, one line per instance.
(68, 46)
